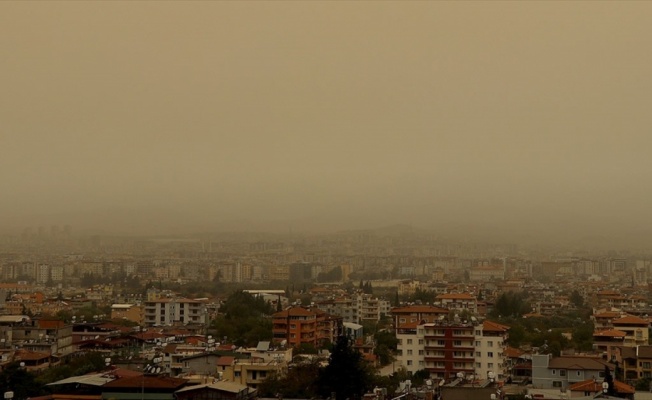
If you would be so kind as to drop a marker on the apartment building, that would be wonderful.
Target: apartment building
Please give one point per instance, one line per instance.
(417, 313)
(636, 330)
(357, 309)
(490, 344)
(298, 325)
(411, 346)
(170, 311)
(458, 302)
(449, 349)
(46, 336)
(252, 373)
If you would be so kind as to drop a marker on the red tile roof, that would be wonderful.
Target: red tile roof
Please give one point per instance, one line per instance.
(27, 355)
(419, 309)
(610, 333)
(630, 319)
(225, 361)
(512, 352)
(489, 326)
(593, 386)
(409, 325)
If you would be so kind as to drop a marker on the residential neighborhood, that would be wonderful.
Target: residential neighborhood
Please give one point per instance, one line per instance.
(194, 321)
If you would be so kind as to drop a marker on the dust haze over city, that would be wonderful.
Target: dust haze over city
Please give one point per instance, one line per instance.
(521, 122)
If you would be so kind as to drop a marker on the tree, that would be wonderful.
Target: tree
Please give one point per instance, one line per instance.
(609, 380)
(577, 299)
(298, 383)
(346, 375)
(511, 304)
(643, 384)
(245, 318)
(386, 344)
(18, 380)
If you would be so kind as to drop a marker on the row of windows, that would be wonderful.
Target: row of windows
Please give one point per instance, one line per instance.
(409, 341)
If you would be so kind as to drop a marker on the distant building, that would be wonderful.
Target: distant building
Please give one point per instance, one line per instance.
(174, 311)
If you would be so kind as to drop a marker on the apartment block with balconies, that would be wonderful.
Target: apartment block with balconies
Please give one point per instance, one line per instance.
(162, 312)
(449, 349)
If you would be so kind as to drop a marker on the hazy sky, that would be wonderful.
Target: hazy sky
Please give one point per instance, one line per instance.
(151, 116)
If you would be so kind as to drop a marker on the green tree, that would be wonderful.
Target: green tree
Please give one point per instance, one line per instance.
(643, 384)
(347, 374)
(306, 348)
(510, 304)
(577, 299)
(386, 344)
(18, 380)
(298, 383)
(245, 318)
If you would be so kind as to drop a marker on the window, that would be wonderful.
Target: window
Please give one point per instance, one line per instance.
(554, 372)
(441, 342)
(421, 341)
(490, 365)
(478, 365)
(477, 343)
(478, 354)
(457, 342)
(490, 354)
(420, 352)
(409, 352)
(646, 365)
(409, 362)
(478, 332)
(490, 343)
(409, 341)
(578, 373)
(562, 372)
(293, 326)
(556, 384)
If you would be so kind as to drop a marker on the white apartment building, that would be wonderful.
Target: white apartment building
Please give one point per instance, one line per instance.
(490, 345)
(458, 302)
(361, 307)
(42, 273)
(446, 349)
(170, 311)
(56, 273)
(410, 347)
